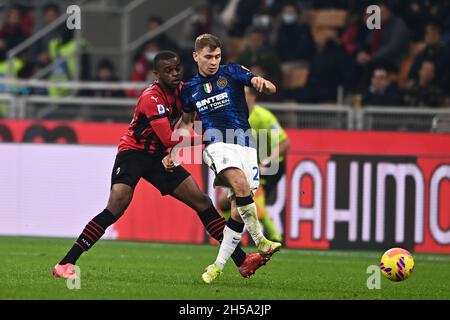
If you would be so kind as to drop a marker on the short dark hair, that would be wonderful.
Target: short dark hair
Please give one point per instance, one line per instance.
(434, 26)
(52, 7)
(207, 40)
(292, 4)
(156, 19)
(385, 3)
(164, 55)
(105, 64)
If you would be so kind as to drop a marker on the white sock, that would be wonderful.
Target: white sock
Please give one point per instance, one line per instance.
(248, 214)
(229, 243)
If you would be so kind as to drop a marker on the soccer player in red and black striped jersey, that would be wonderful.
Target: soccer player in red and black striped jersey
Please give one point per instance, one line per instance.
(140, 154)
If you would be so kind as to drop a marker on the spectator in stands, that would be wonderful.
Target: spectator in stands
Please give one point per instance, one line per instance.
(387, 45)
(424, 92)
(41, 52)
(143, 68)
(253, 12)
(294, 40)
(330, 68)
(198, 23)
(416, 14)
(40, 57)
(419, 13)
(63, 50)
(235, 46)
(26, 16)
(105, 73)
(355, 33)
(434, 51)
(17, 66)
(12, 30)
(243, 17)
(17, 62)
(382, 91)
(440, 13)
(162, 40)
(258, 52)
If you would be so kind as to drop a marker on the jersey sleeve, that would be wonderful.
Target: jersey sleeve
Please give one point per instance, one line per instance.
(188, 105)
(241, 74)
(152, 107)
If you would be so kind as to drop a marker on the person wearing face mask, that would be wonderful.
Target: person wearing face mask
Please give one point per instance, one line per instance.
(294, 40)
(259, 52)
(253, 12)
(143, 67)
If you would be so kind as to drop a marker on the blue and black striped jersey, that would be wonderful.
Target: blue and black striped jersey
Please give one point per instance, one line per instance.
(220, 102)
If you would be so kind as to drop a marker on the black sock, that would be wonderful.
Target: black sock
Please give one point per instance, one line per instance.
(243, 201)
(92, 232)
(214, 223)
(235, 225)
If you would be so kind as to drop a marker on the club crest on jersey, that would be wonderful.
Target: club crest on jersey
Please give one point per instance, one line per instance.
(222, 82)
(161, 109)
(207, 87)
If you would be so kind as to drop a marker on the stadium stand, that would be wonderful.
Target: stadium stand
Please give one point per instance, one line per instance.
(320, 53)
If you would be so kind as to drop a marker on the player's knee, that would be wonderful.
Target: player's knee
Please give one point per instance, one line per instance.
(224, 203)
(119, 200)
(203, 202)
(241, 188)
(238, 181)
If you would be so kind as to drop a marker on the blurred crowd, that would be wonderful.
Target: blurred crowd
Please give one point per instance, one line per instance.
(317, 51)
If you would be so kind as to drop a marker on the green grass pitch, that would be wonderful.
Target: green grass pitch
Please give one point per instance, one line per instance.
(141, 270)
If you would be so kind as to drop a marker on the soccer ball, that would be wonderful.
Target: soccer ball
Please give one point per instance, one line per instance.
(397, 264)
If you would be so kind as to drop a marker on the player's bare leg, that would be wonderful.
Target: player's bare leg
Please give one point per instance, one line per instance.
(119, 199)
(263, 215)
(189, 193)
(243, 209)
(247, 210)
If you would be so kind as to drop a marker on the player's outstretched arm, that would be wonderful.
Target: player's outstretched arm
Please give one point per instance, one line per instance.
(263, 85)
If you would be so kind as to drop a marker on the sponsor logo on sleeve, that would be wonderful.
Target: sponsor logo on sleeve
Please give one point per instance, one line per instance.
(161, 109)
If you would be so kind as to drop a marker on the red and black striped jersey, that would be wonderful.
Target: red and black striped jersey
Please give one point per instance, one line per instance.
(155, 116)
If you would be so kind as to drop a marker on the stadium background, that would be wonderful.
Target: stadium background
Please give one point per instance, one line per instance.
(369, 166)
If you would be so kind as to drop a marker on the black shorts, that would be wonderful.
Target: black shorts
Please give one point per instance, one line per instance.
(132, 165)
(270, 182)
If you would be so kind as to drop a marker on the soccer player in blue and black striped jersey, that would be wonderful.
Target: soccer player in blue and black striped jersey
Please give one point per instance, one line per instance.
(216, 93)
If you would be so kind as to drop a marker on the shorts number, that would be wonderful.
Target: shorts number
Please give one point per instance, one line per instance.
(256, 177)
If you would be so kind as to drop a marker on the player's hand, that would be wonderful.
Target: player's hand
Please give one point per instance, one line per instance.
(259, 83)
(168, 163)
